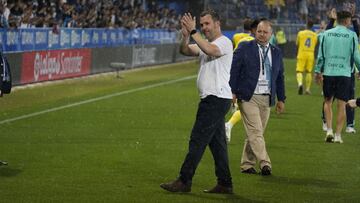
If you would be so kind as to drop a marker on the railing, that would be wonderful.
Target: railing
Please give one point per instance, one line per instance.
(35, 39)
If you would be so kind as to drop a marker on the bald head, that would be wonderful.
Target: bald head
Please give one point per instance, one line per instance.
(263, 32)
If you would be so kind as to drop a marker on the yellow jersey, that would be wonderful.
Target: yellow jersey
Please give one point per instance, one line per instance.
(241, 37)
(306, 41)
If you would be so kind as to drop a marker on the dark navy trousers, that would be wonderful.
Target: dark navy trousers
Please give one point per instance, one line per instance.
(350, 112)
(209, 129)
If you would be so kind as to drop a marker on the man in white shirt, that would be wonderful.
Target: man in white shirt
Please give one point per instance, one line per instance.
(215, 55)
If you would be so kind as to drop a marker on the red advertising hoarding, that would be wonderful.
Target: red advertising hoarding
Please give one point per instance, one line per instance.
(55, 64)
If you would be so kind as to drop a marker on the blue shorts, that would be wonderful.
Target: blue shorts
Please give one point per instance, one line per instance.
(337, 87)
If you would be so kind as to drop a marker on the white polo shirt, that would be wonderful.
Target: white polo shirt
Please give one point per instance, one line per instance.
(214, 73)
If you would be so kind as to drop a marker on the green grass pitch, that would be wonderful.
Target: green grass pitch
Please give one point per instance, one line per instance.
(120, 148)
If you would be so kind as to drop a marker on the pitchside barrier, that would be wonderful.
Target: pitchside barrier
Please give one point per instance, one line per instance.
(39, 66)
(44, 54)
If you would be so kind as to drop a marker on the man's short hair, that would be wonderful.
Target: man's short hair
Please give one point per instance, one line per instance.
(247, 23)
(214, 15)
(309, 23)
(267, 21)
(255, 23)
(343, 15)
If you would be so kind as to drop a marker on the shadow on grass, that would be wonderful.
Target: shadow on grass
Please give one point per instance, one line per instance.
(285, 114)
(300, 181)
(5, 171)
(216, 197)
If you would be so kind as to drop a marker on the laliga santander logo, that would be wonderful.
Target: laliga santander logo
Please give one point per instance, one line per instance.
(47, 67)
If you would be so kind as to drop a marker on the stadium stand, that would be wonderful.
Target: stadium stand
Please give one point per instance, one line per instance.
(149, 13)
(279, 11)
(86, 14)
(144, 31)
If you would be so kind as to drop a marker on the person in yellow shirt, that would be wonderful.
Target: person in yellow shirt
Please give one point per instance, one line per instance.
(239, 37)
(306, 42)
(236, 117)
(281, 39)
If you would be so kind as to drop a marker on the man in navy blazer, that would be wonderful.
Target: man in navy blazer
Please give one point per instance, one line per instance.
(256, 77)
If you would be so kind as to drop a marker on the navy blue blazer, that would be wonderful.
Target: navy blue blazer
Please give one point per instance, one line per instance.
(245, 70)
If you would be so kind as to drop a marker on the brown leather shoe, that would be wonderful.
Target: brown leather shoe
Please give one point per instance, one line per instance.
(220, 190)
(176, 186)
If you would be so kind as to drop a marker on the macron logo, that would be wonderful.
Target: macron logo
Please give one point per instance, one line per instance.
(338, 35)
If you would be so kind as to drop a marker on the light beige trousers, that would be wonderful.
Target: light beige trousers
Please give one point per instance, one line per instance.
(255, 114)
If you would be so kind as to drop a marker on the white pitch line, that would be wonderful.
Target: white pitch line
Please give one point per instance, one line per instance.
(94, 100)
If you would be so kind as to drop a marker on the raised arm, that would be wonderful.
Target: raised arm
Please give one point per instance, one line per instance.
(355, 26)
(356, 53)
(186, 48)
(190, 23)
(332, 16)
(320, 61)
(354, 20)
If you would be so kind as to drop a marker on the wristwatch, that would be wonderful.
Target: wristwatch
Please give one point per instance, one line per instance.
(193, 32)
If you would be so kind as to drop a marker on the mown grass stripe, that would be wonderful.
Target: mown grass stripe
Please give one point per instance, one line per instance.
(94, 100)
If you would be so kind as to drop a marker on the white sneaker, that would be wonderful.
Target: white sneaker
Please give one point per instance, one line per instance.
(227, 132)
(324, 127)
(329, 137)
(338, 139)
(350, 130)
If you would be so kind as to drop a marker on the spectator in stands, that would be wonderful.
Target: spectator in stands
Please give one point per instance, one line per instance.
(74, 20)
(86, 13)
(27, 18)
(174, 21)
(303, 10)
(4, 15)
(275, 8)
(113, 11)
(67, 14)
(91, 17)
(16, 11)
